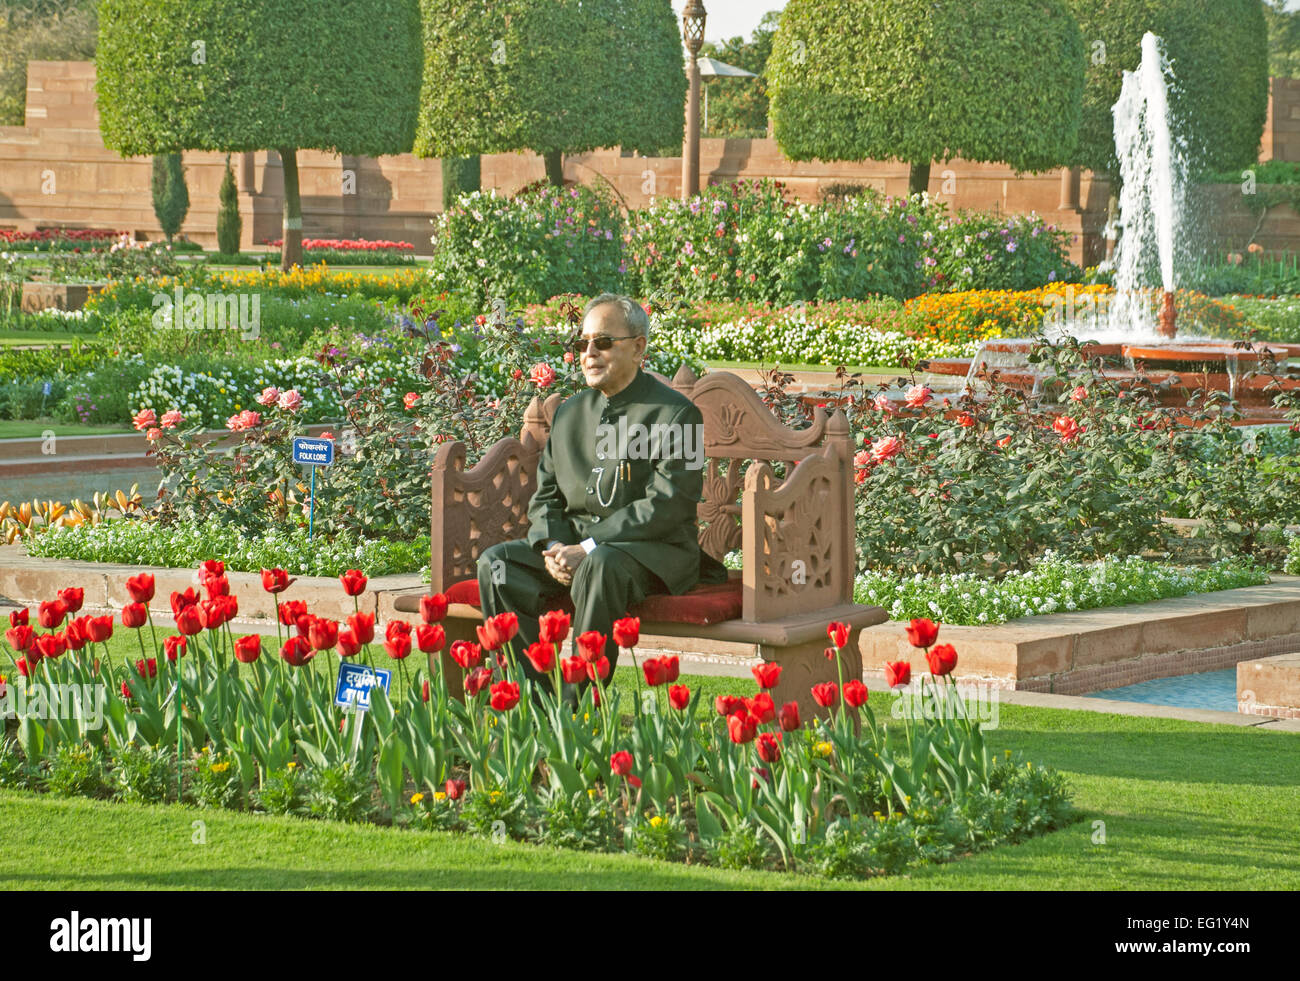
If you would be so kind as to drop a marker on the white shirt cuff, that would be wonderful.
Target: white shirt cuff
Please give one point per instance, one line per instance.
(588, 545)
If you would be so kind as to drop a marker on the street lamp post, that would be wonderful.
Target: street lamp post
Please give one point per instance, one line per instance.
(693, 33)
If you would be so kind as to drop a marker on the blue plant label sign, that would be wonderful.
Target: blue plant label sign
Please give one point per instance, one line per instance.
(355, 683)
(46, 388)
(313, 452)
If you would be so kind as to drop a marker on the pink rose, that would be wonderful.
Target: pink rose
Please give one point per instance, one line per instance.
(883, 403)
(172, 419)
(1079, 394)
(883, 449)
(153, 434)
(568, 357)
(542, 374)
(917, 396)
(244, 420)
(144, 419)
(410, 399)
(269, 396)
(291, 400)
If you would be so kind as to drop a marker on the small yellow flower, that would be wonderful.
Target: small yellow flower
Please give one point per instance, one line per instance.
(292, 766)
(439, 795)
(591, 792)
(822, 749)
(586, 716)
(494, 796)
(657, 821)
(416, 798)
(1008, 752)
(220, 767)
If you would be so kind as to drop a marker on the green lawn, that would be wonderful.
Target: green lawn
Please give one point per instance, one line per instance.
(1185, 806)
(26, 428)
(43, 338)
(869, 369)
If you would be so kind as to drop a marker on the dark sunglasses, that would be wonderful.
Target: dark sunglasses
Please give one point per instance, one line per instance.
(603, 342)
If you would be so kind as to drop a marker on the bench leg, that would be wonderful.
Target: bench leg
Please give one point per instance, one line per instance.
(804, 665)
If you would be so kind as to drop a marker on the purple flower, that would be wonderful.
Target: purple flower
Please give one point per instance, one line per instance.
(1051, 276)
(1011, 246)
(902, 240)
(987, 257)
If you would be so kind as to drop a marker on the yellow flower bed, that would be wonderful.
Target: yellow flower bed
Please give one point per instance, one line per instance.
(318, 279)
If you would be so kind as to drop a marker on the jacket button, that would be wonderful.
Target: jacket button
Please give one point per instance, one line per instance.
(595, 518)
(591, 490)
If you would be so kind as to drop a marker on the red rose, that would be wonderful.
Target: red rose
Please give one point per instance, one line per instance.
(73, 597)
(276, 580)
(134, 615)
(826, 693)
(574, 669)
(354, 582)
(922, 632)
(174, 647)
(291, 610)
(21, 638)
(598, 669)
(465, 654)
(897, 673)
(18, 618)
(621, 763)
(50, 645)
(433, 608)
(627, 632)
(741, 727)
(217, 586)
(349, 646)
(323, 634)
(398, 647)
(296, 651)
(454, 789)
(51, 613)
(147, 669)
(363, 625)
(430, 637)
(679, 696)
(789, 716)
(855, 693)
(767, 674)
(838, 633)
(591, 645)
(768, 745)
(477, 680)
(497, 631)
(99, 629)
(188, 621)
(247, 649)
(942, 659)
(656, 672)
(555, 627)
(542, 656)
(728, 704)
(505, 696)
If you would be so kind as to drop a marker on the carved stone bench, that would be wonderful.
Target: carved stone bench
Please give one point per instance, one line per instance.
(797, 535)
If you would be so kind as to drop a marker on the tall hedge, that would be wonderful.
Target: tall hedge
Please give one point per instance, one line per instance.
(1218, 51)
(552, 76)
(260, 74)
(926, 80)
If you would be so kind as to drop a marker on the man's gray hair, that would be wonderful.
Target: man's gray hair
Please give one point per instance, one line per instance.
(634, 315)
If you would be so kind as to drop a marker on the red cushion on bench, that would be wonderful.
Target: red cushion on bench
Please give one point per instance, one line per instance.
(703, 605)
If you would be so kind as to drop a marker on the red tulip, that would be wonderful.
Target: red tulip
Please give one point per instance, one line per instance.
(51, 613)
(75, 634)
(942, 659)
(147, 669)
(399, 647)
(477, 680)
(555, 627)
(656, 672)
(217, 586)
(598, 669)
(767, 674)
(99, 629)
(126, 691)
(573, 669)
(505, 696)
(433, 608)
(728, 704)
(23, 667)
(542, 656)
(454, 789)
(761, 707)
(497, 631)
(430, 637)
(789, 716)
(296, 651)
(826, 693)
(349, 646)
(424, 690)
(354, 582)
(212, 612)
(175, 648)
(591, 645)
(50, 645)
(627, 632)
(230, 605)
(465, 654)
(897, 673)
(672, 667)
(831, 653)
(21, 638)
(18, 618)
(134, 615)
(397, 628)
(188, 621)
(922, 632)
(768, 745)
(855, 693)
(679, 696)
(72, 598)
(181, 601)
(323, 634)
(363, 625)
(276, 580)
(291, 610)
(763, 772)
(209, 568)
(741, 727)
(838, 633)
(620, 764)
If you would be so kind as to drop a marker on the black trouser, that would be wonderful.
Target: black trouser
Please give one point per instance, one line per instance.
(512, 576)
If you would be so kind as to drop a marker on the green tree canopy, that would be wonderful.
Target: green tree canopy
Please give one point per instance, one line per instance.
(552, 76)
(1218, 52)
(238, 75)
(925, 80)
(1283, 39)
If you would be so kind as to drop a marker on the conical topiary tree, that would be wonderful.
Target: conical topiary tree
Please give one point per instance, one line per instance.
(279, 75)
(229, 224)
(171, 198)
